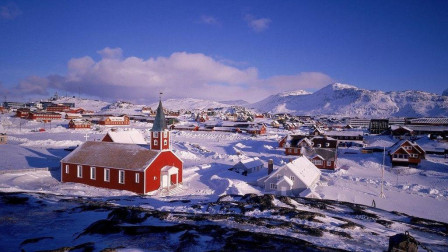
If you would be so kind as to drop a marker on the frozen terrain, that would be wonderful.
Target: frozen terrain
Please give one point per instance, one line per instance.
(346, 100)
(29, 168)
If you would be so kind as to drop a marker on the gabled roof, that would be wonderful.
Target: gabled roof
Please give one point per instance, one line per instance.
(251, 162)
(284, 178)
(325, 154)
(159, 121)
(112, 155)
(398, 145)
(128, 137)
(302, 168)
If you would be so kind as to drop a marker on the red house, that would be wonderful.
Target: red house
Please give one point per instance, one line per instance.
(79, 124)
(58, 108)
(128, 167)
(324, 158)
(44, 116)
(115, 120)
(23, 112)
(406, 153)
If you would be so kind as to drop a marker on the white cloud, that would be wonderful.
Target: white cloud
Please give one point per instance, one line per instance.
(110, 53)
(181, 74)
(208, 20)
(10, 11)
(257, 24)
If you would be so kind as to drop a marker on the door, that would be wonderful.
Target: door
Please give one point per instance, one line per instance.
(283, 190)
(164, 181)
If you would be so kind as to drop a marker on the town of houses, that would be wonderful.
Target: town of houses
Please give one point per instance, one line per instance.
(310, 144)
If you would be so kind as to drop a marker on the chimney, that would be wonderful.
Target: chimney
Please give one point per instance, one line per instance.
(270, 166)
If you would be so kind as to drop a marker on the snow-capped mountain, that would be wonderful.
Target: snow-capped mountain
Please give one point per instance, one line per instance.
(189, 104)
(346, 100)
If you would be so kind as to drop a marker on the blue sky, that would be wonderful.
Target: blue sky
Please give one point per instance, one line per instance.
(220, 49)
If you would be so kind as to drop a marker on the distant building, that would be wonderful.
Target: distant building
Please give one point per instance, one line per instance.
(72, 116)
(23, 112)
(115, 120)
(406, 153)
(57, 108)
(324, 158)
(44, 116)
(292, 178)
(378, 126)
(359, 122)
(79, 124)
(248, 165)
(128, 136)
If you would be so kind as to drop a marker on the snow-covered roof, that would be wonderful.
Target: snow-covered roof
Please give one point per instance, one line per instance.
(251, 162)
(111, 155)
(303, 169)
(286, 179)
(2, 130)
(128, 136)
(398, 145)
(344, 133)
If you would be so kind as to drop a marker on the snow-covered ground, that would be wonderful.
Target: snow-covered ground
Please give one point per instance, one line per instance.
(30, 163)
(421, 192)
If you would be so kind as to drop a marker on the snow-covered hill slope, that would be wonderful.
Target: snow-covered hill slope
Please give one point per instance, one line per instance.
(347, 100)
(189, 104)
(87, 104)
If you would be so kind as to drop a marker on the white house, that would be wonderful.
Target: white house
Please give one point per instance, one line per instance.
(292, 178)
(248, 165)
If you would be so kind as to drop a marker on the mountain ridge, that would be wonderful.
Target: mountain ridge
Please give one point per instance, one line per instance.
(348, 100)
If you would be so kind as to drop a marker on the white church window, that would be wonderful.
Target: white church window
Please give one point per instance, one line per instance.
(79, 171)
(106, 175)
(165, 142)
(92, 173)
(137, 178)
(165, 134)
(121, 177)
(155, 134)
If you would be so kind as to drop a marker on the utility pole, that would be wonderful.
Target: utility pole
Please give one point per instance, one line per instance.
(382, 195)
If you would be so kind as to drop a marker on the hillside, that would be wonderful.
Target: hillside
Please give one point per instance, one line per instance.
(190, 104)
(347, 100)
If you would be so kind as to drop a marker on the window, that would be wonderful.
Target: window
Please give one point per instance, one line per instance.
(106, 175)
(395, 156)
(317, 162)
(165, 134)
(273, 186)
(79, 171)
(318, 146)
(92, 173)
(165, 142)
(67, 168)
(155, 134)
(292, 178)
(327, 145)
(328, 163)
(137, 178)
(121, 177)
(156, 142)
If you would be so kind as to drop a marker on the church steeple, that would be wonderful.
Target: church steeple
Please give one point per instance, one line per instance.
(159, 121)
(160, 136)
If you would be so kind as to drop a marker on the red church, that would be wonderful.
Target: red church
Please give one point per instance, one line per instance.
(128, 167)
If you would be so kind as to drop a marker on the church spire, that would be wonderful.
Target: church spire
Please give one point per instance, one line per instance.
(159, 121)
